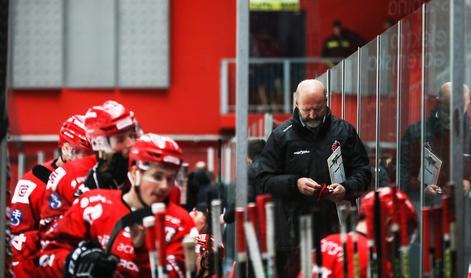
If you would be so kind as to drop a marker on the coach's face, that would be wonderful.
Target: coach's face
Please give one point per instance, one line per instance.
(311, 102)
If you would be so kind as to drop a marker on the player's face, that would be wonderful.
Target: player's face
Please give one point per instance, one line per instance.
(122, 142)
(156, 183)
(70, 152)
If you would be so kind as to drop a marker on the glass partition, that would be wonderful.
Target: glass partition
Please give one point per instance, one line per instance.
(368, 81)
(410, 115)
(388, 74)
(467, 134)
(351, 89)
(336, 90)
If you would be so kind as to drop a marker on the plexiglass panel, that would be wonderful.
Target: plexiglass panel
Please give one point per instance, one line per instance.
(336, 90)
(367, 127)
(351, 89)
(387, 107)
(410, 128)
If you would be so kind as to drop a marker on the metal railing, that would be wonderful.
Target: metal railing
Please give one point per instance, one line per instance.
(271, 81)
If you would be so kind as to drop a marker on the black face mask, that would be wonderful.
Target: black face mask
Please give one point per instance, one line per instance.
(110, 173)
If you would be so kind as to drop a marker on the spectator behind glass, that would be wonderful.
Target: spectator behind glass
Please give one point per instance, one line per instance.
(341, 43)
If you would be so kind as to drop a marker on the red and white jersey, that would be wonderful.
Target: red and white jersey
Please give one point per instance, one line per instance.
(93, 217)
(175, 194)
(63, 187)
(25, 210)
(332, 256)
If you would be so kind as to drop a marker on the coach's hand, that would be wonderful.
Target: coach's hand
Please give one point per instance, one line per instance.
(308, 186)
(337, 192)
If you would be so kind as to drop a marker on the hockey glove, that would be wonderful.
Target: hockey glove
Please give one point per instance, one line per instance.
(89, 260)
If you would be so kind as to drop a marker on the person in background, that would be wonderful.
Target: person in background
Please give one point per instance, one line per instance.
(437, 140)
(341, 43)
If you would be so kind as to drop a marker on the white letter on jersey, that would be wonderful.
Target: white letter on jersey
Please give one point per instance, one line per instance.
(55, 178)
(17, 241)
(91, 214)
(22, 191)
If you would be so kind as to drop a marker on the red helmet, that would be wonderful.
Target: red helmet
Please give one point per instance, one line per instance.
(392, 207)
(153, 148)
(109, 119)
(73, 132)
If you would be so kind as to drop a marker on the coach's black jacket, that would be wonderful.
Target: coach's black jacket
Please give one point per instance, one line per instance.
(294, 151)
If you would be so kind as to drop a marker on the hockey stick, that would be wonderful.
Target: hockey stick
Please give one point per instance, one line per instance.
(161, 244)
(404, 240)
(255, 256)
(128, 220)
(261, 200)
(451, 220)
(216, 225)
(446, 237)
(316, 247)
(252, 218)
(149, 222)
(270, 220)
(356, 260)
(190, 259)
(241, 247)
(305, 235)
(378, 235)
(437, 223)
(396, 254)
(343, 239)
(426, 246)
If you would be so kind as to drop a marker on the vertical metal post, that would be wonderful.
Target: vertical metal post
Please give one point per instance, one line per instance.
(268, 125)
(286, 86)
(398, 103)
(40, 157)
(342, 87)
(64, 43)
(242, 82)
(117, 38)
(8, 13)
(261, 127)
(378, 63)
(224, 87)
(21, 165)
(457, 70)
(210, 159)
(242, 103)
(358, 91)
(328, 87)
(227, 163)
(422, 132)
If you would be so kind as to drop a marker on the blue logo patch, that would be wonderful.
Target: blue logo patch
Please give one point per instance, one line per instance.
(16, 217)
(55, 201)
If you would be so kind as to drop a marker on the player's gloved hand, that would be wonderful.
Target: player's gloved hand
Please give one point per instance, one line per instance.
(89, 260)
(109, 174)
